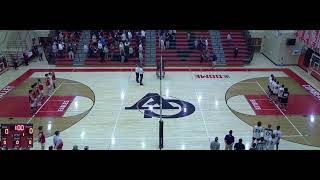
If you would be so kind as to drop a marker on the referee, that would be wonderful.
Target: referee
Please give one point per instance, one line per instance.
(137, 73)
(141, 74)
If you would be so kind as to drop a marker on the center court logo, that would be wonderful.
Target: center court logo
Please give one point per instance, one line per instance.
(150, 104)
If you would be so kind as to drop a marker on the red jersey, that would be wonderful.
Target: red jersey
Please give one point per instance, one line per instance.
(47, 82)
(42, 138)
(34, 95)
(37, 91)
(40, 87)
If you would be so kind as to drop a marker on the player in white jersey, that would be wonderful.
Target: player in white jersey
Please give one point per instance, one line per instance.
(271, 142)
(275, 90)
(261, 145)
(278, 135)
(257, 131)
(284, 99)
(267, 132)
(270, 80)
(281, 89)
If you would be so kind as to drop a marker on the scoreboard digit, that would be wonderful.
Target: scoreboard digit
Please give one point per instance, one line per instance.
(16, 136)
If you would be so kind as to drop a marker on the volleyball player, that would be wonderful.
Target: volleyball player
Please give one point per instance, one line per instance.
(272, 141)
(261, 144)
(257, 130)
(31, 102)
(267, 132)
(278, 135)
(41, 89)
(284, 99)
(48, 84)
(270, 80)
(280, 92)
(276, 91)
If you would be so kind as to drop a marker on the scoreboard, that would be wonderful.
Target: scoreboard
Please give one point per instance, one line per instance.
(16, 136)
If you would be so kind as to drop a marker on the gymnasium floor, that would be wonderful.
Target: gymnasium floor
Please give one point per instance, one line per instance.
(104, 108)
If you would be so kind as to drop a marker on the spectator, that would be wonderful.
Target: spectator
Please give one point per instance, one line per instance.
(143, 35)
(214, 59)
(229, 39)
(94, 38)
(99, 45)
(70, 52)
(196, 44)
(235, 52)
(140, 48)
(140, 57)
(278, 135)
(106, 52)
(229, 140)
(137, 73)
(167, 42)
(188, 36)
(54, 49)
(239, 145)
(174, 32)
(141, 74)
(253, 147)
(162, 44)
(50, 148)
(129, 36)
(26, 58)
(86, 49)
(15, 63)
(101, 52)
(75, 147)
(206, 44)
(57, 141)
(40, 52)
(42, 138)
(60, 48)
(121, 47)
(86, 148)
(131, 52)
(123, 37)
(215, 145)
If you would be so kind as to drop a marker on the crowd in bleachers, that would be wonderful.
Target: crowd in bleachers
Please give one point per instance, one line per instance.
(116, 44)
(65, 42)
(165, 37)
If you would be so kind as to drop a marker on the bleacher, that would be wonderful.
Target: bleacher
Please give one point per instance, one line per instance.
(116, 61)
(239, 41)
(64, 60)
(182, 51)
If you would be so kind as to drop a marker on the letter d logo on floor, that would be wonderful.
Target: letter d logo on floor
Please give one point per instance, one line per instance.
(151, 102)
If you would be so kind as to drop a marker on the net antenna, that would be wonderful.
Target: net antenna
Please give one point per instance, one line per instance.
(161, 121)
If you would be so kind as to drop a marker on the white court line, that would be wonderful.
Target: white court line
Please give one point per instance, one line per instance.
(266, 109)
(71, 83)
(203, 120)
(59, 100)
(246, 83)
(284, 114)
(50, 111)
(44, 103)
(121, 107)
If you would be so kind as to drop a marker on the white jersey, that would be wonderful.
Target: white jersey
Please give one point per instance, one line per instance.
(270, 81)
(140, 70)
(281, 89)
(271, 143)
(137, 69)
(278, 135)
(267, 133)
(261, 145)
(276, 88)
(257, 132)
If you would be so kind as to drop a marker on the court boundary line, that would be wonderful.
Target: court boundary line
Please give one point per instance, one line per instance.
(202, 116)
(119, 112)
(285, 115)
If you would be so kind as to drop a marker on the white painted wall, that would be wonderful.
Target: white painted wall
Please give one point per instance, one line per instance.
(275, 48)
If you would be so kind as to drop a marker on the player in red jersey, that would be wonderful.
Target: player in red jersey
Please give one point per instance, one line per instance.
(41, 89)
(31, 102)
(42, 138)
(37, 93)
(48, 84)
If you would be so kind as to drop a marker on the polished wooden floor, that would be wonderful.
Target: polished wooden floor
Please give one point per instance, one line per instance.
(97, 116)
